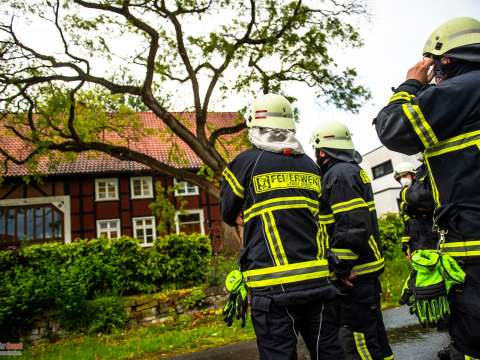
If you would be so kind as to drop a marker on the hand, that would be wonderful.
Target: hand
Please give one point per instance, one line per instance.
(348, 280)
(239, 219)
(422, 71)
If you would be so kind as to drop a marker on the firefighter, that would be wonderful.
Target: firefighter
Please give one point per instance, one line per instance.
(273, 189)
(443, 121)
(348, 218)
(416, 207)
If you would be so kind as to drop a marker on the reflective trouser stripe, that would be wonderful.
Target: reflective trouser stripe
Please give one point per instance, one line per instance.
(273, 238)
(345, 254)
(369, 267)
(374, 247)
(348, 205)
(420, 125)
(405, 239)
(461, 248)
(234, 183)
(281, 203)
(402, 95)
(361, 346)
(284, 274)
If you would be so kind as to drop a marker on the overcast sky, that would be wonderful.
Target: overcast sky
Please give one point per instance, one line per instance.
(394, 40)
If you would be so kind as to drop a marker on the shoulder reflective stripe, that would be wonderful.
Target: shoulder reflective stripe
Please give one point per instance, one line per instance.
(402, 95)
(361, 346)
(456, 143)
(345, 254)
(326, 219)
(348, 205)
(283, 274)
(462, 248)
(420, 125)
(233, 182)
(286, 180)
(369, 267)
(374, 247)
(281, 203)
(405, 239)
(270, 240)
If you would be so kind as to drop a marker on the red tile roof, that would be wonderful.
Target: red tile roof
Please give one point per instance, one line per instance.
(159, 143)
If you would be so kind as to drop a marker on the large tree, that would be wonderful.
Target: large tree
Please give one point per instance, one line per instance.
(71, 69)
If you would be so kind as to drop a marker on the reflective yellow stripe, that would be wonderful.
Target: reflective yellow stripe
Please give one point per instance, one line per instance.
(281, 203)
(461, 248)
(348, 205)
(286, 180)
(233, 182)
(326, 219)
(389, 358)
(402, 95)
(284, 274)
(455, 143)
(420, 125)
(371, 205)
(270, 240)
(403, 194)
(369, 267)
(405, 239)
(374, 247)
(361, 346)
(277, 238)
(345, 254)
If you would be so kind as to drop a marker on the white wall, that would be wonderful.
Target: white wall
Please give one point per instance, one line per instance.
(385, 189)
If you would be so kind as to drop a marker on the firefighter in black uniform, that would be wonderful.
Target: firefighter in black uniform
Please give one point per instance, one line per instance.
(348, 219)
(416, 207)
(275, 188)
(443, 121)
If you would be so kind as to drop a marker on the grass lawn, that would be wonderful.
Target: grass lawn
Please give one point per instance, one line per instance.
(393, 279)
(150, 342)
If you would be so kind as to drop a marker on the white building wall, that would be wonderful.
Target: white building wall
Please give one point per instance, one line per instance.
(385, 188)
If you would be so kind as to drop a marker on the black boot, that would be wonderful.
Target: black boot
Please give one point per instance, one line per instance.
(444, 354)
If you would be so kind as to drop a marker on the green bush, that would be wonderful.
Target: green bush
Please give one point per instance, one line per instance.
(184, 259)
(60, 278)
(391, 230)
(103, 315)
(195, 299)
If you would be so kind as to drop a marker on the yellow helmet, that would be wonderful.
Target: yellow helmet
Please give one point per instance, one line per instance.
(457, 32)
(332, 135)
(272, 111)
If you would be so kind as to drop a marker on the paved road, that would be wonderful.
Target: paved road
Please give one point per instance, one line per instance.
(409, 342)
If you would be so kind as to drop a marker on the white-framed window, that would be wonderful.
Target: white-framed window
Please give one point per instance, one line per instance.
(190, 221)
(183, 188)
(142, 187)
(108, 228)
(144, 229)
(106, 189)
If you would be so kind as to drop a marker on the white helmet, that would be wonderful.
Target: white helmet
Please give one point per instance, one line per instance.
(272, 111)
(404, 168)
(332, 135)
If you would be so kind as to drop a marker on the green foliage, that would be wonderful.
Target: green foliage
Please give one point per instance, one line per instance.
(391, 230)
(195, 299)
(219, 269)
(103, 315)
(396, 272)
(164, 209)
(60, 278)
(186, 258)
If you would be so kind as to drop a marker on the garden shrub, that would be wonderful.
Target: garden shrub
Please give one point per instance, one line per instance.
(391, 230)
(61, 278)
(103, 315)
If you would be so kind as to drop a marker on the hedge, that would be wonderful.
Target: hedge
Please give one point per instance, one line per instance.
(61, 278)
(391, 229)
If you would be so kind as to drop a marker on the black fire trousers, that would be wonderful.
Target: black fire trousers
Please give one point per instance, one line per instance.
(464, 322)
(278, 326)
(363, 333)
